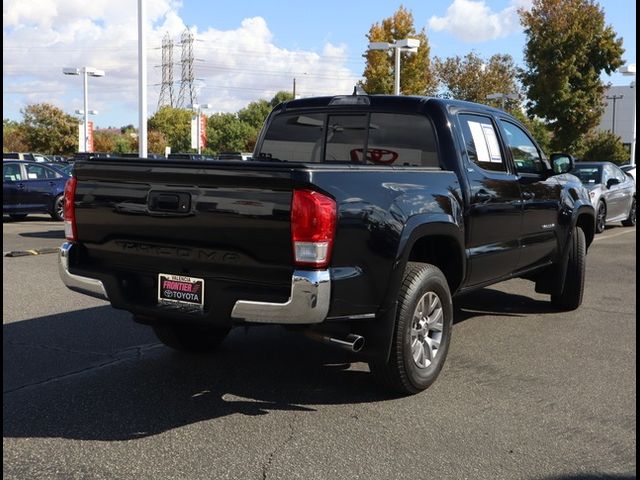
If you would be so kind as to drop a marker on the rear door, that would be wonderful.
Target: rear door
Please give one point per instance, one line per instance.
(40, 186)
(495, 210)
(541, 196)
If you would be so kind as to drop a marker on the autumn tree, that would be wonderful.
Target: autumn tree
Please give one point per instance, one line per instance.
(175, 125)
(14, 137)
(416, 76)
(472, 78)
(568, 46)
(49, 130)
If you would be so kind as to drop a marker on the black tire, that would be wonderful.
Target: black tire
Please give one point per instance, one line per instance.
(18, 216)
(631, 219)
(190, 338)
(573, 287)
(601, 217)
(58, 209)
(401, 372)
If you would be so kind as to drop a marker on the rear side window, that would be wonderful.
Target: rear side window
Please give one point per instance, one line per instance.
(376, 139)
(39, 172)
(294, 138)
(481, 142)
(11, 172)
(401, 139)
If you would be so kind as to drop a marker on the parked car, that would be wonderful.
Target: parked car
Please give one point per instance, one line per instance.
(30, 187)
(189, 156)
(612, 192)
(34, 157)
(153, 156)
(629, 170)
(357, 220)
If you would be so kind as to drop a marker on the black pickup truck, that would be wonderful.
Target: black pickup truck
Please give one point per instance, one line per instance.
(356, 221)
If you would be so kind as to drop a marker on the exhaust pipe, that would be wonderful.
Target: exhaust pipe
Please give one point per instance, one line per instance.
(352, 342)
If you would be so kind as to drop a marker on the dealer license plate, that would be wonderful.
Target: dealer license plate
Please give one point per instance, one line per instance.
(177, 289)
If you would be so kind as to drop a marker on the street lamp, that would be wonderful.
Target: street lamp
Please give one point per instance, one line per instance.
(197, 109)
(630, 70)
(409, 45)
(502, 97)
(613, 116)
(86, 72)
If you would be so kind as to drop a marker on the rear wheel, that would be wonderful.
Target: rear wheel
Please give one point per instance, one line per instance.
(190, 338)
(422, 331)
(58, 208)
(601, 217)
(631, 219)
(570, 297)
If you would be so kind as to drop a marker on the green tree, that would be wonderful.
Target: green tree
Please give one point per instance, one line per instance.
(175, 125)
(14, 137)
(49, 130)
(568, 47)
(416, 76)
(472, 78)
(255, 113)
(280, 97)
(227, 133)
(602, 146)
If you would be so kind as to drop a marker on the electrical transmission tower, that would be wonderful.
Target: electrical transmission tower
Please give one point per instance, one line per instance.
(166, 90)
(187, 93)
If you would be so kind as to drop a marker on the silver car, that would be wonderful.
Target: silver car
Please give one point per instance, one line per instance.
(612, 192)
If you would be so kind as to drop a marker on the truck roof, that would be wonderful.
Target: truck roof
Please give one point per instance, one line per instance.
(386, 102)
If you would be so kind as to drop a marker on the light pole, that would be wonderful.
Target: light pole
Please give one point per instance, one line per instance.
(502, 97)
(86, 72)
(409, 45)
(630, 70)
(613, 116)
(197, 109)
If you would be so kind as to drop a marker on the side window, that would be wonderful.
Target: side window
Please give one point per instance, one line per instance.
(524, 152)
(11, 172)
(401, 139)
(481, 142)
(620, 175)
(39, 172)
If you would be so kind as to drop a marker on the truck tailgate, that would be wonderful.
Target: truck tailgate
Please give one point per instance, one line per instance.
(227, 222)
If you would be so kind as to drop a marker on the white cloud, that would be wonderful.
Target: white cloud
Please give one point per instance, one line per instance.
(474, 21)
(238, 66)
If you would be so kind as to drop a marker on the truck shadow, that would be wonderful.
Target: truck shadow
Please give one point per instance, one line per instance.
(488, 301)
(95, 375)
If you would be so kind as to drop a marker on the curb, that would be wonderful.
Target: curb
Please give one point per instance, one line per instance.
(24, 253)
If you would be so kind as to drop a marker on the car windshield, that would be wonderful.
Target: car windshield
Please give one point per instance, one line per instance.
(588, 174)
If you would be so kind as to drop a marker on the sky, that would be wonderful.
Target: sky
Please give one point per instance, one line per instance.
(245, 50)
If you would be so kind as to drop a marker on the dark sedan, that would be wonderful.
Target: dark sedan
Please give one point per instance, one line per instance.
(29, 187)
(612, 192)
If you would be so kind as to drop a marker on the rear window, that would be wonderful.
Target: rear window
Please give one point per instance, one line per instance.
(376, 139)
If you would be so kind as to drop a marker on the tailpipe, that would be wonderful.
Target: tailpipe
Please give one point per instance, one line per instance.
(352, 342)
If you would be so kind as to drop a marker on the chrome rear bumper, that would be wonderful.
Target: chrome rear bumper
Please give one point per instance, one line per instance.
(308, 302)
(88, 286)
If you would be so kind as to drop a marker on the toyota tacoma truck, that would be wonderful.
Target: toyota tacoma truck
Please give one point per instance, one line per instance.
(356, 221)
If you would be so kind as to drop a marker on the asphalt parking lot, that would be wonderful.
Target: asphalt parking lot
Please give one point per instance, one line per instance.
(526, 393)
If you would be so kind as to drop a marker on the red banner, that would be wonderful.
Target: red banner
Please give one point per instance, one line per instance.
(203, 131)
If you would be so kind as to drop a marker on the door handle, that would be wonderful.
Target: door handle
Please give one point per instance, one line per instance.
(21, 186)
(483, 196)
(528, 195)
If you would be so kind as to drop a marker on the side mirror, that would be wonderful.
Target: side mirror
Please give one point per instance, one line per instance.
(612, 181)
(562, 163)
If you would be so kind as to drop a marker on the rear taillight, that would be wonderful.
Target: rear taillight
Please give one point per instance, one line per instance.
(69, 209)
(313, 228)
